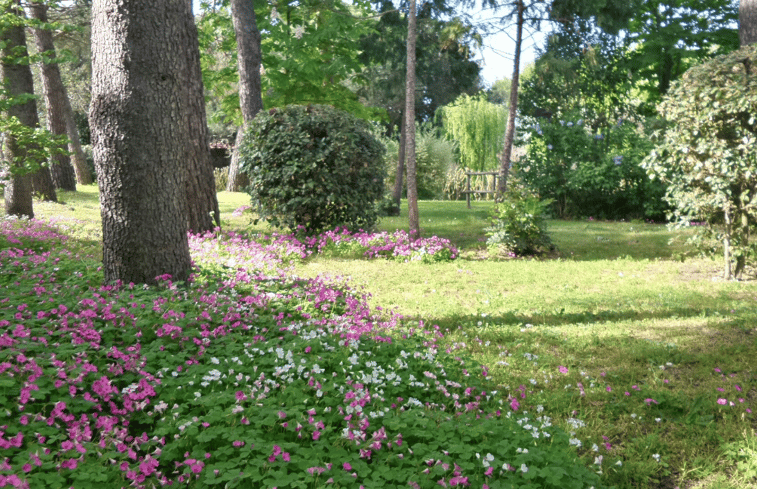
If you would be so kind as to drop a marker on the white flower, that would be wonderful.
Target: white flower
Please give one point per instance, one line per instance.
(656, 456)
(523, 468)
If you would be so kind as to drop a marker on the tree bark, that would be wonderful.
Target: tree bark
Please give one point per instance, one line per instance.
(54, 94)
(139, 131)
(18, 189)
(202, 204)
(747, 22)
(397, 191)
(250, 98)
(412, 184)
(507, 151)
(83, 174)
(17, 81)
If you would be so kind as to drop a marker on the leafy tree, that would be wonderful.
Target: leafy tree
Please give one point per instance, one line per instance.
(309, 53)
(499, 93)
(56, 99)
(140, 133)
(313, 167)
(477, 126)
(707, 154)
(669, 36)
(444, 54)
(579, 75)
(26, 146)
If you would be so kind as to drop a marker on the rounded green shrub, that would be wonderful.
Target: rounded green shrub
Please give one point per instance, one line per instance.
(313, 168)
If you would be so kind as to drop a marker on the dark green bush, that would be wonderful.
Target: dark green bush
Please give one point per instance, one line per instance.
(313, 168)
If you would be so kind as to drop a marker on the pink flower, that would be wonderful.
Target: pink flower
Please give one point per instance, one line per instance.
(608, 388)
(649, 401)
(286, 457)
(563, 370)
(238, 443)
(346, 466)
(722, 401)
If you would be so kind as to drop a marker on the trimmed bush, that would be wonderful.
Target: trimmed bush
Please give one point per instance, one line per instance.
(313, 168)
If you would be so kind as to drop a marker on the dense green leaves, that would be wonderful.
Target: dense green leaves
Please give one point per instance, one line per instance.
(314, 168)
(478, 127)
(708, 152)
(309, 52)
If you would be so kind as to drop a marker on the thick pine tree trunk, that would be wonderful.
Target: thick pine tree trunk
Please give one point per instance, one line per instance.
(138, 119)
(412, 184)
(250, 98)
(202, 204)
(748, 22)
(17, 79)
(507, 151)
(55, 97)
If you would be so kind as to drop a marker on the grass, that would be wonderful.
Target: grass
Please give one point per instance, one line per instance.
(614, 332)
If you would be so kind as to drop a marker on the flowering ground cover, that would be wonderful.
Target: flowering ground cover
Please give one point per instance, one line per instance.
(640, 365)
(247, 376)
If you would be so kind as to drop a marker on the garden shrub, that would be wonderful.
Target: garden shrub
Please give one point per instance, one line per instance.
(520, 226)
(313, 168)
(434, 156)
(588, 173)
(707, 154)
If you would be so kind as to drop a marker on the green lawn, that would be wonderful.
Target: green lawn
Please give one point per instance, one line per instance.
(612, 331)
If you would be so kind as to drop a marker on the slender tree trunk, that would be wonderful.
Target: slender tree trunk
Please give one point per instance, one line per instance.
(250, 98)
(412, 185)
(747, 22)
(397, 191)
(140, 136)
(507, 151)
(54, 94)
(728, 272)
(83, 174)
(17, 80)
(202, 204)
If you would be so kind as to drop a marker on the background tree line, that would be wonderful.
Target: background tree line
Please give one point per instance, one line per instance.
(605, 66)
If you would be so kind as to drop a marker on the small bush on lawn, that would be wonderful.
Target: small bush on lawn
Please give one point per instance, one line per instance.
(314, 168)
(246, 378)
(520, 226)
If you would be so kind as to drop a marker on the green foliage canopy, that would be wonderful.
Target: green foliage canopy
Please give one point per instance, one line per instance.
(309, 53)
(707, 154)
(478, 127)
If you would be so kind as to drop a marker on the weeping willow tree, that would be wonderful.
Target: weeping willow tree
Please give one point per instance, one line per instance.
(478, 127)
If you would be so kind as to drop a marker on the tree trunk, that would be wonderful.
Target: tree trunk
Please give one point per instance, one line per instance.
(83, 174)
(397, 191)
(17, 81)
(727, 272)
(54, 93)
(250, 98)
(412, 185)
(202, 204)
(18, 189)
(138, 119)
(507, 151)
(747, 22)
